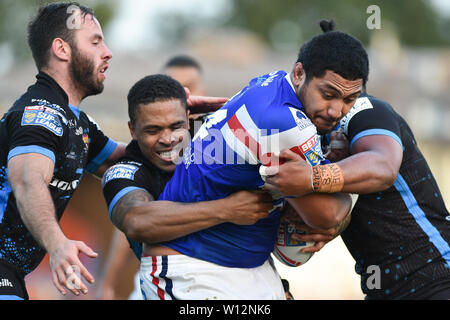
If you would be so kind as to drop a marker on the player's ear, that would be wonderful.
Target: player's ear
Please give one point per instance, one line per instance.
(132, 130)
(61, 49)
(298, 74)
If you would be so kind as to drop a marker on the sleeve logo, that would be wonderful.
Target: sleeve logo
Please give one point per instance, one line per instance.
(38, 117)
(300, 118)
(360, 105)
(312, 150)
(120, 171)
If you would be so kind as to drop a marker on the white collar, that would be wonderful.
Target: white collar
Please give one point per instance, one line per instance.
(288, 78)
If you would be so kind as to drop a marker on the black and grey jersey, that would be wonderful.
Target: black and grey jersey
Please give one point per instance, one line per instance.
(403, 233)
(133, 172)
(42, 121)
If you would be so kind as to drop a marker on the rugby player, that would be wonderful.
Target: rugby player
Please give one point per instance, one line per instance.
(273, 112)
(399, 233)
(47, 143)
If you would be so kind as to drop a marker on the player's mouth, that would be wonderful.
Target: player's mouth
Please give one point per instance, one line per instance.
(103, 71)
(168, 155)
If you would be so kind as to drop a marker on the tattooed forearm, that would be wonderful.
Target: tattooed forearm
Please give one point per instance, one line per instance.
(126, 203)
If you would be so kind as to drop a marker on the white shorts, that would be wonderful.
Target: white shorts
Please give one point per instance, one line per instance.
(136, 293)
(185, 278)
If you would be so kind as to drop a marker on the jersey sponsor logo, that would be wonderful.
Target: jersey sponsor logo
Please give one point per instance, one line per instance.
(50, 108)
(120, 171)
(79, 131)
(86, 139)
(314, 156)
(360, 105)
(64, 185)
(310, 144)
(300, 118)
(270, 79)
(312, 150)
(5, 283)
(33, 108)
(44, 119)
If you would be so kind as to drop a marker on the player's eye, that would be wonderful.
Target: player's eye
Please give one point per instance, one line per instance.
(327, 96)
(151, 131)
(349, 100)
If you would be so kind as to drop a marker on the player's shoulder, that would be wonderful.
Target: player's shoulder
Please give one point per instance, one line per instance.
(366, 108)
(259, 90)
(40, 113)
(274, 104)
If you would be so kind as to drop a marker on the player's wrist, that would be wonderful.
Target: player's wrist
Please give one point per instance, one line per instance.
(54, 244)
(327, 178)
(222, 210)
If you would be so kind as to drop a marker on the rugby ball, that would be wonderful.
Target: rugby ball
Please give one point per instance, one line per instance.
(287, 250)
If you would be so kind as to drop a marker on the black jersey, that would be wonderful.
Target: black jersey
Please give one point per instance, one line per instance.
(41, 121)
(133, 172)
(402, 233)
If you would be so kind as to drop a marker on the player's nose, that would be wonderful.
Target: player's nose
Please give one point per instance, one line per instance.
(335, 108)
(167, 137)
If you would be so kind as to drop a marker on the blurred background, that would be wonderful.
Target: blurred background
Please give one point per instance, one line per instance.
(234, 41)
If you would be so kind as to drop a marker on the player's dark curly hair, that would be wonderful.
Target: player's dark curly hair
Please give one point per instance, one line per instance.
(153, 88)
(335, 51)
(52, 21)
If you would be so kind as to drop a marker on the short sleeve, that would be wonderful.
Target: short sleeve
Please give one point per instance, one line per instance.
(119, 180)
(34, 130)
(370, 116)
(100, 146)
(298, 134)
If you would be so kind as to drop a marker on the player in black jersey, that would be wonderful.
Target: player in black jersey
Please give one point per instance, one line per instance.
(47, 143)
(189, 73)
(399, 233)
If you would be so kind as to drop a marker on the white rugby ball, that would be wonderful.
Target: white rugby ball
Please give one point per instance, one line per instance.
(287, 250)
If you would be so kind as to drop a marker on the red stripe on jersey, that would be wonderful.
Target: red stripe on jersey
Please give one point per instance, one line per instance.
(239, 132)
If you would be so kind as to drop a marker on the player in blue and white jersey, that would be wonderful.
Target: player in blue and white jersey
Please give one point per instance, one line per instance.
(228, 260)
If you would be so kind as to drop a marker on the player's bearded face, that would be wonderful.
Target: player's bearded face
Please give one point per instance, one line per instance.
(89, 59)
(83, 73)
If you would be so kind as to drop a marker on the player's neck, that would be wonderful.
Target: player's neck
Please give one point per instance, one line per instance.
(64, 80)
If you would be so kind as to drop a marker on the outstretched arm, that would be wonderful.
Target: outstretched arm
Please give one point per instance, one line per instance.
(29, 176)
